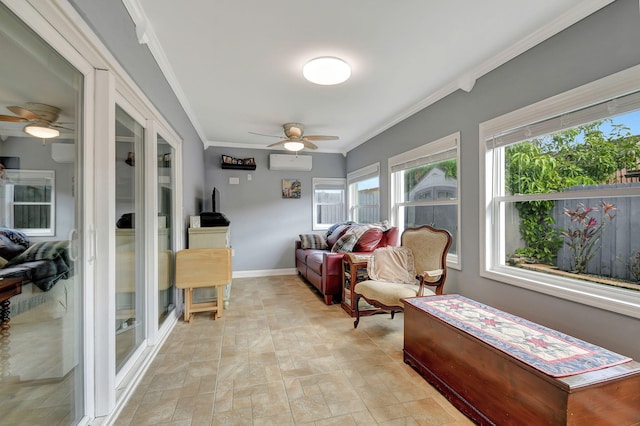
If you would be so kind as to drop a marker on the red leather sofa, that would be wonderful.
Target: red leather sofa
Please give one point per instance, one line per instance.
(323, 268)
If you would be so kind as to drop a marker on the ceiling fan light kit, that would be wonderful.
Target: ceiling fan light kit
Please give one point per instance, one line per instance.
(326, 71)
(41, 117)
(38, 131)
(293, 146)
(296, 140)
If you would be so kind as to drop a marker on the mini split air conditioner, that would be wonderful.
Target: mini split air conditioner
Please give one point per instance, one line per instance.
(300, 163)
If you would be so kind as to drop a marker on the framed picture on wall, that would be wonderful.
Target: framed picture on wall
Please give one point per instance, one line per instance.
(291, 188)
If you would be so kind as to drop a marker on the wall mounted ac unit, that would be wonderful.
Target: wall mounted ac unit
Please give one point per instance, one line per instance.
(63, 152)
(301, 163)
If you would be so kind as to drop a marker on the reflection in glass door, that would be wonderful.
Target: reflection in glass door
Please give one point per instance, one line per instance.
(166, 289)
(41, 258)
(130, 288)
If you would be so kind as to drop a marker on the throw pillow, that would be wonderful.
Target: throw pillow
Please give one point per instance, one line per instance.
(335, 226)
(392, 264)
(312, 241)
(336, 234)
(369, 240)
(9, 249)
(17, 237)
(345, 244)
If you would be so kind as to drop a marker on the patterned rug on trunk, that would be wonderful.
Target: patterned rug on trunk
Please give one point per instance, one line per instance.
(547, 350)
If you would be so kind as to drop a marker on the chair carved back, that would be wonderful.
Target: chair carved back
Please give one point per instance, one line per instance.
(430, 247)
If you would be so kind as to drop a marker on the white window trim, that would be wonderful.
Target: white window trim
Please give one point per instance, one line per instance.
(45, 175)
(438, 146)
(604, 297)
(331, 181)
(357, 176)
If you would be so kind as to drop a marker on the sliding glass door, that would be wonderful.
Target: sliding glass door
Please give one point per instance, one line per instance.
(88, 223)
(130, 289)
(42, 256)
(165, 195)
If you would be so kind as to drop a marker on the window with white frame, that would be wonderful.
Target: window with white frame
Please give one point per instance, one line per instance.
(560, 195)
(424, 189)
(328, 202)
(28, 200)
(364, 194)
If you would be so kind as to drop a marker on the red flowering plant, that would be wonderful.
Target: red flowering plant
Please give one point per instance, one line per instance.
(584, 237)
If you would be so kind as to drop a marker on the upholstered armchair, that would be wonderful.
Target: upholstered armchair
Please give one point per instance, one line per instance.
(416, 268)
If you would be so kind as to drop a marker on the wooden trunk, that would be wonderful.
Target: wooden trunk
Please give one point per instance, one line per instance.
(491, 387)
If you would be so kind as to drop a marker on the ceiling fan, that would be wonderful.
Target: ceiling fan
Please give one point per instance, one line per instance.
(41, 118)
(295, 138)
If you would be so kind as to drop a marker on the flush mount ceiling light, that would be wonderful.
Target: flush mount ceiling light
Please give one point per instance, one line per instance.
(41, 131)
(293, 146)
(326, 71)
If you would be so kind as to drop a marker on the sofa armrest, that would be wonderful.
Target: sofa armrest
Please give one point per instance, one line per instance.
(333, 263)
(298, 244)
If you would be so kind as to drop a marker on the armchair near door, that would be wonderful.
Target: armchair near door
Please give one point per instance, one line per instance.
(396, 273)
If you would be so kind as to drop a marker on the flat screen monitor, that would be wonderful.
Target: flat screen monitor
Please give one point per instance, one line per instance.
(215, 200)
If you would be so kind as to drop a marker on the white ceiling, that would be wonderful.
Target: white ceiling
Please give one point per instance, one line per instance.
(236, 66)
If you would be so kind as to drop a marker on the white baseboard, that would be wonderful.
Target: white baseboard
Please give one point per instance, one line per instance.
(264, 273)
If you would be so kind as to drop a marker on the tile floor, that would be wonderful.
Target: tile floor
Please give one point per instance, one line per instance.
(280, 356)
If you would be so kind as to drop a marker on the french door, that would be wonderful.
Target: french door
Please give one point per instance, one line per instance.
(104, 193)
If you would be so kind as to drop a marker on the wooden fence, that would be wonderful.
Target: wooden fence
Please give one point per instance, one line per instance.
(620, 239)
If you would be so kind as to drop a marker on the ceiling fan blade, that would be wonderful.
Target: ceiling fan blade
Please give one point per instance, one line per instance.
(321, 138)
(308, 144)
(23, 112)
(12, 118)
(278, 143)
(57, 126)
(262, 134)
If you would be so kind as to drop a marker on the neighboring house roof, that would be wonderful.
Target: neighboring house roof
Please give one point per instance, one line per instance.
(436, 178)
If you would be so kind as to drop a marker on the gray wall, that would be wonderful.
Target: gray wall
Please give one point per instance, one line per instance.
(264, 226)
(113, 25)
(602, 44)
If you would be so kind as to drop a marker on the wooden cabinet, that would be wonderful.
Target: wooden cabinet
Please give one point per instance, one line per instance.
(210, 237)
(494, 388)
(354, 270)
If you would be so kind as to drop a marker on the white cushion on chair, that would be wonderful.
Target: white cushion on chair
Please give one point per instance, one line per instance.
(389, 294)
(392, 264)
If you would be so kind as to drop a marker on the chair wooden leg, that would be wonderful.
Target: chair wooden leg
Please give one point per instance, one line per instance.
(356, 300)
(392, 313)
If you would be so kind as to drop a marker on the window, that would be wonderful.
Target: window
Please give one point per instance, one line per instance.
(28, 200)
(364, 194)
(424, 189)
(561, 188)
(328, 202)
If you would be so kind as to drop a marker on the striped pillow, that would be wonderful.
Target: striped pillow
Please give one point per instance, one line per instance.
(312, 241)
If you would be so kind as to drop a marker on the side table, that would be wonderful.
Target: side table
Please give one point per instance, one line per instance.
(354, 270)
(9, 287)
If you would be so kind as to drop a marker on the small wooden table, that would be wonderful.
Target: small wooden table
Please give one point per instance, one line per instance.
(492, 387)
(203, 267)
(9, 287)
(354, 270)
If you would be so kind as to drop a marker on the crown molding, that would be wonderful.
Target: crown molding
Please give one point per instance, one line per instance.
(146, 35)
